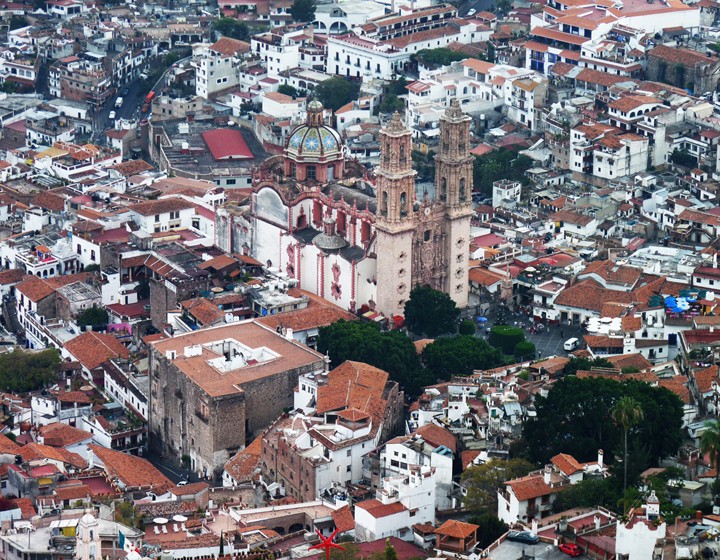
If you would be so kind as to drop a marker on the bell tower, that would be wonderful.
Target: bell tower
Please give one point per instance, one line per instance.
(454, 181)
(394, 223)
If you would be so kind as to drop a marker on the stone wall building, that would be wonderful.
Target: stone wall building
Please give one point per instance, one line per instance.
(683, 68)
(212, 390)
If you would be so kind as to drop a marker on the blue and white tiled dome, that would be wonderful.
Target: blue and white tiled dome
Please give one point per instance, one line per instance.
(314, 138)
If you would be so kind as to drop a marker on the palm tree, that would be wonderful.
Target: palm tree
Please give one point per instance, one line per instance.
(627, 413)
(710, 443)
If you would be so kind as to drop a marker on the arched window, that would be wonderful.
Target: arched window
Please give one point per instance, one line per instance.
(403, 204)
(402, 155)
(384, 207)
(443, 189)
(462, 190)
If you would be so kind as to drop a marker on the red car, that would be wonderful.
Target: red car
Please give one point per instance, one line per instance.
(571, 549)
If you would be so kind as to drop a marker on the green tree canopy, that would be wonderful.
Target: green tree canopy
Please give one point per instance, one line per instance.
(397, 86)
(467, 326)
(491, 528)
(524, 350)
(591, 492)
(430, 312)
(576, 418)
(460, 355)
(360, 341)
(579, 364)
(499, 164)
(482, 482)
(626, 413)
(335, 92)
(505, 338)
(287, 89)
(710, 444)
(303, 10)
(233, 28)
(391, 103)
(24, 370)
(93, 316)
(438, 57)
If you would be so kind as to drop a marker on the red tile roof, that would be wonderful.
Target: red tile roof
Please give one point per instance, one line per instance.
(243, 465)
(58, 434)
(566, 463)
(134, 472)
(437, 435)
(343, 519)
(378, 510)
(92, 349)
(457, 529)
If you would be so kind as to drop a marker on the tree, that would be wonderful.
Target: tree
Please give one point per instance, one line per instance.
(23, 371)
(460, 355)
(499, 164)
(390, 552)
(359, 341)
(575, 418)
(438, 57)
(230, 27)
(126, 514)
(391, 103)
(591, 492)
(710, 443)
(430, 312)
(505, 338)
(303, 10)
(93, 316)
(287, 89)
(397, 86)
(491, 529)
(482, 482)
(17, 22)
(336, 92)
(627, 413)
(524, 350)
(467, 326)
(585, 364)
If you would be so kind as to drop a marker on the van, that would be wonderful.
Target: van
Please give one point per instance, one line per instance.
(571, 344)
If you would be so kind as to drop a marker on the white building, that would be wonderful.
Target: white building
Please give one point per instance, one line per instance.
(403, 501)
(217, 66)
(506, 193)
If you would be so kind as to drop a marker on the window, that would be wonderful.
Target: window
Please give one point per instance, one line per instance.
(426, 235)
(157, 217)
(311, 172)
(462, 190)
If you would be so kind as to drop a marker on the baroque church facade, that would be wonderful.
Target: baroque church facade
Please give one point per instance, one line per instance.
(362, 239)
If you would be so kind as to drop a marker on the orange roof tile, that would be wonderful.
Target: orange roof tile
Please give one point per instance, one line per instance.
(343, 519)
(566, 463)
(92, 349)
(437, 435)
(58, 434)
(457, 529)
(134, 472)
(244, 463)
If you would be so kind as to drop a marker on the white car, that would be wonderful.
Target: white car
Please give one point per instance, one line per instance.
(472, 12)
(112, 115)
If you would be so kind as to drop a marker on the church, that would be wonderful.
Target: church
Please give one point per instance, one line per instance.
(363, 239)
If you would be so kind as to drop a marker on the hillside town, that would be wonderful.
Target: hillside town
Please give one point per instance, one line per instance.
(429, 279)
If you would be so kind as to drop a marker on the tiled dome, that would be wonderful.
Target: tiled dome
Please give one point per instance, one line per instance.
(314, 139)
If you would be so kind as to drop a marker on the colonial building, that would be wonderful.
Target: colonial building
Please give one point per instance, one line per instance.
(212, 389)
(362, 240)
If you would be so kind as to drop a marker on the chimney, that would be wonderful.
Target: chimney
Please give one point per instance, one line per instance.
(597, 522)
(600, 458)
(546, 474)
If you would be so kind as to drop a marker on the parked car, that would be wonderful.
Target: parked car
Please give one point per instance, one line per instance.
(472, 12)
(570, 548)
(112, 115)
(523, 537)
